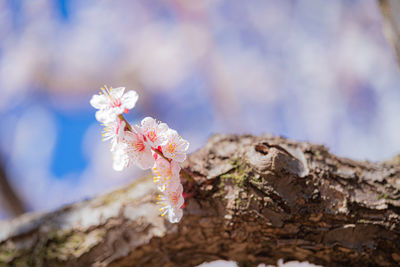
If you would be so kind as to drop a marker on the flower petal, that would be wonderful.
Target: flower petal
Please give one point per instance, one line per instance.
(105, 115)
(117, 92)
(148, 122)
(183, 145)
(120, 157)
(139, 130)
(176, 168)
(99, 101)
(175, 215)
(129, 99)
(162, 128)
(145, 160)
(180, 157)
(173, 185)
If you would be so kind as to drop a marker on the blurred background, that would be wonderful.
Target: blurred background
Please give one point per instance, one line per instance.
(318, 71)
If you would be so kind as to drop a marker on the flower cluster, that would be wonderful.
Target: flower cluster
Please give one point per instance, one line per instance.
(151, 144)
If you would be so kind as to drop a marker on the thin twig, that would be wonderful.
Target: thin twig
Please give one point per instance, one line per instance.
(127, 125)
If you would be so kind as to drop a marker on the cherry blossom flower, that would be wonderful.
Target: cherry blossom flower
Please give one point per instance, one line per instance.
(166, 174)
(172, 202)
(111, 102)
(175, 148)
(149, 145)
(138, 150)
(132, 149)
(153, 131)
(115, 131)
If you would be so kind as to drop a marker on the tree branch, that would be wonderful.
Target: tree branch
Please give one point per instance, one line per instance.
(9, 199)
(255, 200)
(390, 10)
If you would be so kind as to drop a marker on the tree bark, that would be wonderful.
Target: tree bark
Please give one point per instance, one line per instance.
(252, 200)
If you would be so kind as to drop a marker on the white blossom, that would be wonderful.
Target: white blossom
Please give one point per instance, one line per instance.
(120, 156)
(114, 131)
(111, 102)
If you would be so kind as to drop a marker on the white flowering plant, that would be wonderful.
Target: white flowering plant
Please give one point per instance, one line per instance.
(150, 145)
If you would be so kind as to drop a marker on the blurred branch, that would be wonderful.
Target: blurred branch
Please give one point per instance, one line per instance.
(8, 198)
(391, 23)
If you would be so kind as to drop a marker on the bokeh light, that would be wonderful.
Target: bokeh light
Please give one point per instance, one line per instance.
(319, 71)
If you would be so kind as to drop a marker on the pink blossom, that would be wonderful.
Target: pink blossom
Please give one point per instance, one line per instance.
(138, 150)
(175, 148)
(132, 150)
(172, 202)
(153, 131)
(166, 174)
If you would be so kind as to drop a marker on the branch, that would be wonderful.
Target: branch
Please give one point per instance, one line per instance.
(255, 200)
(390, 10)
(8, 197)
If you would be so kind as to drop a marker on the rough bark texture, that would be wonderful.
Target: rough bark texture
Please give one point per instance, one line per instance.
(255, 200)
